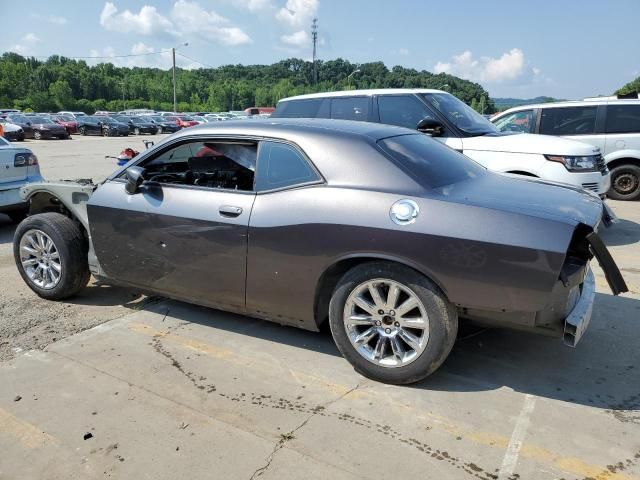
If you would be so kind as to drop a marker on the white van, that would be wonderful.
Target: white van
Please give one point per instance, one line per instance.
(610, 123)
(454, 123)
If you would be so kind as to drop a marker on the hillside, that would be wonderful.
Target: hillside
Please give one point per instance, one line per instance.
(505, 103)
(61, 83)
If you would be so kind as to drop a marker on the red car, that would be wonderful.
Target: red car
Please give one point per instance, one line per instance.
(67, 122)
(183, 121)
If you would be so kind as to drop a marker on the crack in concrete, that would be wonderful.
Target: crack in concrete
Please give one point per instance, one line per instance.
(286, 437)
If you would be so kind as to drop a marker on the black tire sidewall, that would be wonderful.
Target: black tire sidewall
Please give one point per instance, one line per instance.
(71, 247)
(619, 170)
(443, 322)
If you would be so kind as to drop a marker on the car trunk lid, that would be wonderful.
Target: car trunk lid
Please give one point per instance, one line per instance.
(13, 164)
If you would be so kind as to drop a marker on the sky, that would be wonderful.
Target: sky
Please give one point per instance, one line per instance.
(562, 48)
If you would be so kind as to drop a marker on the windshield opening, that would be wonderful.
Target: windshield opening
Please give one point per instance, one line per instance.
(460, 114)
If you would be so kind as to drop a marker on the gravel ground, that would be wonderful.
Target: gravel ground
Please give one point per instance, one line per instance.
(27, 321)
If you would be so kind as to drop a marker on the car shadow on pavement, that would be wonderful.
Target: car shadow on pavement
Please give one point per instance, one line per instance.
(624, 232)
(7, 229)
(602, 372)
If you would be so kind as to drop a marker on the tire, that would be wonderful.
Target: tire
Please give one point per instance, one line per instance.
(438, 332)
(625, 182)
(82, 131)
(37, 135)
(71, 247)
(105, 132)
(136, 131)
(158, 130)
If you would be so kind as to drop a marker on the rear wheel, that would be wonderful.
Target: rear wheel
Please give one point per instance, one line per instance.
(105, 132)
(50, 252)
(625, 182)
(82, 131)
(391, 323)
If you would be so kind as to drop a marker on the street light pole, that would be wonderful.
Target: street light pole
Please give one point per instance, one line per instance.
(173, 55)
(357, 70)
(124, 105)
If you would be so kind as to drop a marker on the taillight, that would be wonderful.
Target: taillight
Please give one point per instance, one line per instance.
(25, 159)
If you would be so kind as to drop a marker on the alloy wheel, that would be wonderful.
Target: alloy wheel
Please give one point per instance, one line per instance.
(40, 259)
(386, 322)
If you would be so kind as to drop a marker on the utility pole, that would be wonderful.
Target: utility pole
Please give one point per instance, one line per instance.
(173, 54)
(314, 37)
(124, 105)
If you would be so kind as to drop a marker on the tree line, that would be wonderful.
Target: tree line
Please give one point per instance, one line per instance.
(60, 83)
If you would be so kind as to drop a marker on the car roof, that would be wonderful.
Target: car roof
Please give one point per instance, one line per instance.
(369, 92)
(573, 103)
(282, 127)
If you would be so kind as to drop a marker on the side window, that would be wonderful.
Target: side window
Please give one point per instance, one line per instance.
(402, 110)
(623, 119)
(568, 120)
(215, 164)
(280, 165)
(521, 122)
(350, 108)
(310, 108)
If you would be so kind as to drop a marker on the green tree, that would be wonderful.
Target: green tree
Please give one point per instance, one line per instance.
(61, 94)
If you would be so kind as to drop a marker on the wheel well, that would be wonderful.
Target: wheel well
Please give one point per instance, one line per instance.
(333, 274)
(42, 202)
(623, 161)
(526, 174)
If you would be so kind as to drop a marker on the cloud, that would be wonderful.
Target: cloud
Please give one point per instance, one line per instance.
(186, 19)
(31, 38)
(150, 57)
(194, 19)
(56, 20)
(297, 13)
(403, 51)
(146, 22)
(253, 5)
(511, 67)
(296, 39)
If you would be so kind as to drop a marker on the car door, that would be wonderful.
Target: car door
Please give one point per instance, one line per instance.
(575, 122)
(183, 238)
(622, 127)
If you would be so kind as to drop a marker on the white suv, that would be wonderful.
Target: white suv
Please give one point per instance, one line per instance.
(454, 123)
(609, 123)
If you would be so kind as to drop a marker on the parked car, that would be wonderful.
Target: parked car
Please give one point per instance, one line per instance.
(45, 128)
(101, 125)
(21, 121)
(454, 123)
(387, 233)
(259, 111)
(166, 126)
(67, 121)
(18, 166)
(138, 125)
(12, 132)
(73, 114)
(610, 124)
(183, 121)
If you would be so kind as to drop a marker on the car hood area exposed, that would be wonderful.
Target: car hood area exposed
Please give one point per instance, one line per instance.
(528, 143)
(527, 196)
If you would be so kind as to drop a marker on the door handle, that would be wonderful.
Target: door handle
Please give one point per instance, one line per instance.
(230, 211)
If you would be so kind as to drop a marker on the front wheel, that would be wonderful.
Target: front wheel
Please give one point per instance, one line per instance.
(625, 182)
(50, 252)
(391, 323)
(82, 131)
(136, 131)
(37, 135)
(158, 130)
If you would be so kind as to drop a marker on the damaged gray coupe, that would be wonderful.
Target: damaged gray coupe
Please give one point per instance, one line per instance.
(386, 234)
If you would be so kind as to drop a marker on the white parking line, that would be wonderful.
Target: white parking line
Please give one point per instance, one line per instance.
(510, 459)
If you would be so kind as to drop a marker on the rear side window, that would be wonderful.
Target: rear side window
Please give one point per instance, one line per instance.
(521, 122)
(281, 165)
(402, 110)
(350, 108)
(429, 162)
(310, 108)
(623, 119)
(568, 121)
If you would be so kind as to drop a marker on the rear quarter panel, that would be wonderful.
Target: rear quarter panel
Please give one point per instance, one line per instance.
(479, 257)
